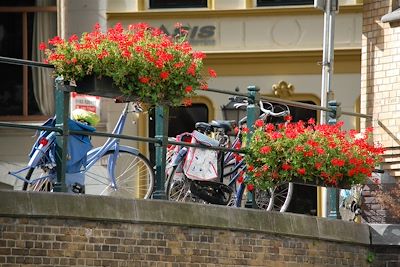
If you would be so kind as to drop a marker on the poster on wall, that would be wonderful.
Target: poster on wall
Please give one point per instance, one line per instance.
(86, 102)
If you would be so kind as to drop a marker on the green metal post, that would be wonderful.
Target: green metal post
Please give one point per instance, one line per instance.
(161, 133)
(333, 193)
(62, 115)
(253, 112)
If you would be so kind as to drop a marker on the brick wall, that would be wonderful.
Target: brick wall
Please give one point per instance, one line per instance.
(57, 242)
(45, 229)
(380, 96)
(380, 71)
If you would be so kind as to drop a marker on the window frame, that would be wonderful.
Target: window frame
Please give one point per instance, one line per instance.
(269, 3)
(163, 4)
(24, 10)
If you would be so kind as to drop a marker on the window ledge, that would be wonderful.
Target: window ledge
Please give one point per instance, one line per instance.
(392, 16)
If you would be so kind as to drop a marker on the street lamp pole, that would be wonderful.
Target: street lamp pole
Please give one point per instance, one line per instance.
(329, 197)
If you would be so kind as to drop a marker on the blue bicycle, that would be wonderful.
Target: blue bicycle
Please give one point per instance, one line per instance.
(111, 169)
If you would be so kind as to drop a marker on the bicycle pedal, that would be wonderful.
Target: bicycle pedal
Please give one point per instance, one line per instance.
(78, 188)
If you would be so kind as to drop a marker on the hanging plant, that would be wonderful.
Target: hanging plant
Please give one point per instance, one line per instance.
(142, 62)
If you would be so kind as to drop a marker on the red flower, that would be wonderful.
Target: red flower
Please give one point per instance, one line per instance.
(212, 73)
(250, 187)
(286, 166)
(269, 127)
(42, 46)
(187, 102)
(301, 171)
(288, 118)
(338, 162)
(188, 89)
(204, 86)
(164, 75)
(144, 79)
(318, 165)
(265, 149)
(240, 179)
(259, 123)
(311, 121)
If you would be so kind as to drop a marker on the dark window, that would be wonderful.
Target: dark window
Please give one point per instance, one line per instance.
(177, 3)
(284, 2)
(181, 119)
(17, 20)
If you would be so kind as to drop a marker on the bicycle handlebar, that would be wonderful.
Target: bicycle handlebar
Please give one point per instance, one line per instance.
(271, 113)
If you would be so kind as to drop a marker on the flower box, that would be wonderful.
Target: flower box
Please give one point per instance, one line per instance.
(306, 153)
(143, 63)
(104, 87)
(320, 182)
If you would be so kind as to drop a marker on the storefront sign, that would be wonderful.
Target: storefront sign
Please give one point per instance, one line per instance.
(86, 102)
(198, 35)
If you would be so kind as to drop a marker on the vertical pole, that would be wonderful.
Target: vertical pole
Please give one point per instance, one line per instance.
(326, 91)
(161, 133)
(253, 112)
(62, 115)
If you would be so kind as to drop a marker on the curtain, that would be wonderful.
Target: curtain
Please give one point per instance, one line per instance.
(44, 27)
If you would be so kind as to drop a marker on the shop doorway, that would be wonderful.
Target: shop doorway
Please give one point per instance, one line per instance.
(181, 119)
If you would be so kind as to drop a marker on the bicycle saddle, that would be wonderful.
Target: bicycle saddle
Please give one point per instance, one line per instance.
(203, 127)
(225, 125)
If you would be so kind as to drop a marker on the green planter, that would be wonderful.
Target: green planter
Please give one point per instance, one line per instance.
(320, 182)
(104, 87)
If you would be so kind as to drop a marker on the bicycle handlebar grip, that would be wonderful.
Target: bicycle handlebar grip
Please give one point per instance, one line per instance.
(238, 99)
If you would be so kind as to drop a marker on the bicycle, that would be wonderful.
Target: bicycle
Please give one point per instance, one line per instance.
(111, 169)
(181, 188)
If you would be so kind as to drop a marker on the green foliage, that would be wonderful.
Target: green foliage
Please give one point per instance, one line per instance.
(307, 152)
(143, 62)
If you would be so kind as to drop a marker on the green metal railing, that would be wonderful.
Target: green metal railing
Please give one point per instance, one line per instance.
(161, 141)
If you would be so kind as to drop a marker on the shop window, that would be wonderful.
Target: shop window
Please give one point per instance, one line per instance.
(284, 2)
(178, 3)
(25, 92)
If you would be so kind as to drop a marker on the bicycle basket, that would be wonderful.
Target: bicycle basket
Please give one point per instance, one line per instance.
(201, 164)
(78, 145)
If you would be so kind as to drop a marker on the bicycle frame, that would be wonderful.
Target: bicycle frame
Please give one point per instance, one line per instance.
(111, 144)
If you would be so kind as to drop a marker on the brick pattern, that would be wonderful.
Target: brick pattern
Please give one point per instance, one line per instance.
(380, 92)
(55, 242)
(380, 71)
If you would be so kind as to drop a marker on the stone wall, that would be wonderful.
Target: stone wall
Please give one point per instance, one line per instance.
(50, 229)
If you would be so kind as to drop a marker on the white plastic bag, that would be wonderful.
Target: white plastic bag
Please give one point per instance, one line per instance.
(201, 164)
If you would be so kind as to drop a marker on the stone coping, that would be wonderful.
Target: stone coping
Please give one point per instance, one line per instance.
(385, 234)
(87, 207)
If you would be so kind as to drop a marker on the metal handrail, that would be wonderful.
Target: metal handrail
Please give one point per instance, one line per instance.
(160, 140)
(25, 62)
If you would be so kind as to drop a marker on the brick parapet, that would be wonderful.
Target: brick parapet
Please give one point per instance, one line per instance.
(54, 229)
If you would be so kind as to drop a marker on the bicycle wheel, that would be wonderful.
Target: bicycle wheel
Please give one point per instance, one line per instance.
(134, 176)
(262, 198)
(178, 187)
(42, 178)
(282, 196)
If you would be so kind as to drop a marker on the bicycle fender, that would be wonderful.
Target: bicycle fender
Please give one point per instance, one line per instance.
(179, 157)
(41, 151)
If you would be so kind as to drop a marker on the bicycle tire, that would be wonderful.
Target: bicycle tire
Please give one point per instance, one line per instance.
(134, 181)
(262, 197)
(177, 187)
(38, 184)
(277, 199)
(282, 197)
